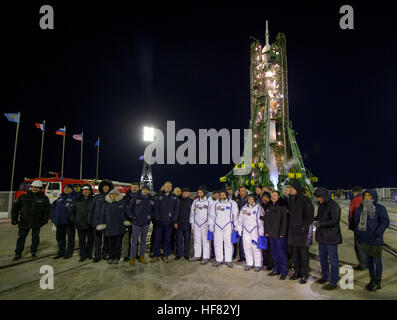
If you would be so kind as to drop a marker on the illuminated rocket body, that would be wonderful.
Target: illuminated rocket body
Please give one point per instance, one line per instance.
(275, 156)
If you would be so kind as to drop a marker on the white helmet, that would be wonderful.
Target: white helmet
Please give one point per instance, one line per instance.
(37, 183)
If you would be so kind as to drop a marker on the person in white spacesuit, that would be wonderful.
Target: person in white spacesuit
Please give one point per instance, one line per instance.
(199, 220)
(222, 222)
(250, 227)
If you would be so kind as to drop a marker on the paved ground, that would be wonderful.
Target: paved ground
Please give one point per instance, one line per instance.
(175, 280)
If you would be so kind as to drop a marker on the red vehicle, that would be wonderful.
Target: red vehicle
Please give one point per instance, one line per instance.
(53, 187)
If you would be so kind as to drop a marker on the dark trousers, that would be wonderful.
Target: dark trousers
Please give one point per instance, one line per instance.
(22, 234)
(183, 241)
(375, 267)
(358, 249)
(100, 247)
(126, 243)
(241, 253)
(138, 232)
(65, 237)
(114, 244)
(329, 255)
(267, 254)
(279, 255)
(173, 240)
(86, 242)
(300, 256)
(163, 228)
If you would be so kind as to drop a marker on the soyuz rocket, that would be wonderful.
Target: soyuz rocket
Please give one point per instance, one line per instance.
(271, 155)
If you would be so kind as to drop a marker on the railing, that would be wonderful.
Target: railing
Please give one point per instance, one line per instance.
(6, 199)
(388, 194)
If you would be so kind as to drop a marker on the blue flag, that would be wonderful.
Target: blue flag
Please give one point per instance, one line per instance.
(13, 117)
(97, 143)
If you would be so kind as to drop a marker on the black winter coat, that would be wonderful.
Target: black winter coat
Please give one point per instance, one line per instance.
(241, 202)
(166, 208)
(301, 216)
(140, 210)
(328, 215)
(185, 205)
(78, 212)
(130, 196)
(94, 213)
(276, 220)
(113, 215)
(31, 210)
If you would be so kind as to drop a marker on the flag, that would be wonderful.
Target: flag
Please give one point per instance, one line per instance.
(60, 132)
(141, 157)
(78, 137)
(40, 126)
(13, 117)
(97, 143)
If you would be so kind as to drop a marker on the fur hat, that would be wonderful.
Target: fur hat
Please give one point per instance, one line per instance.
(114, 191)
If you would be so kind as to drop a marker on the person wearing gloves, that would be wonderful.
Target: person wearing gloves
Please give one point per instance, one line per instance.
(64, 227)
(30, 211)
(165, 215)
(113, 221)
(250, 228)
(276, 228)
(184, 229)
(140, 210)
(94, 215)
(371, 221)
(199, 220)
(300, 231)
(222, 222)
(78, 213)
(328, 236)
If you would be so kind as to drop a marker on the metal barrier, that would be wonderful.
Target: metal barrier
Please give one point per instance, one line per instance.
(6, 200)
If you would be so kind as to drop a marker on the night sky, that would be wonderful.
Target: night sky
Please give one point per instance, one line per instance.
(109, 69)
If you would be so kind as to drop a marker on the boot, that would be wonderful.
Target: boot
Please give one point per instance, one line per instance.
(370, 284)
(132, 262)
(154, 259)
(142, 260)
(375, 285)
(165, 259)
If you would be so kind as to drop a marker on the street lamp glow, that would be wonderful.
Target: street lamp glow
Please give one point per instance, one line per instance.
(148, 134)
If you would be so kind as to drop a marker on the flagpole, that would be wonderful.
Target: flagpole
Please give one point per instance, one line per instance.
(97, 158)
(42, 146)
(63, 151)
(15, 151)
(81, 156)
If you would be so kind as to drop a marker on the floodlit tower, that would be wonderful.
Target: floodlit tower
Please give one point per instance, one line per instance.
(146, 176)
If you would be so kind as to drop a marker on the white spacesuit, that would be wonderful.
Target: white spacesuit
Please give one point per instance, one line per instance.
(222, 221)
(250, 227)
(199, 220)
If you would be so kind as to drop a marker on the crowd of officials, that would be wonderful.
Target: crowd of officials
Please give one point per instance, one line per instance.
(264, 228)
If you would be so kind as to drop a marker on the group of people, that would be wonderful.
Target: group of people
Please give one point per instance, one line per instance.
(264, 227)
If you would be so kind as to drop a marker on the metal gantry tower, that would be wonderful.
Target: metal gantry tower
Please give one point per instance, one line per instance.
(276, 159)
(146, 177)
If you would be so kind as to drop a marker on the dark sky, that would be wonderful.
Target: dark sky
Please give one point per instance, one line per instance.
(109, 69)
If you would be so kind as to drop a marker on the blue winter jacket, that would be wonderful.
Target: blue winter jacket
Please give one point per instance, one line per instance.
(113, 215)
(141, 209)
(60, 211)
(376, 225)
(166, 208)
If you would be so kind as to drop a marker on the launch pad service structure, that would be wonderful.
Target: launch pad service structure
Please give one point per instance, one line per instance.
(271, 155)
